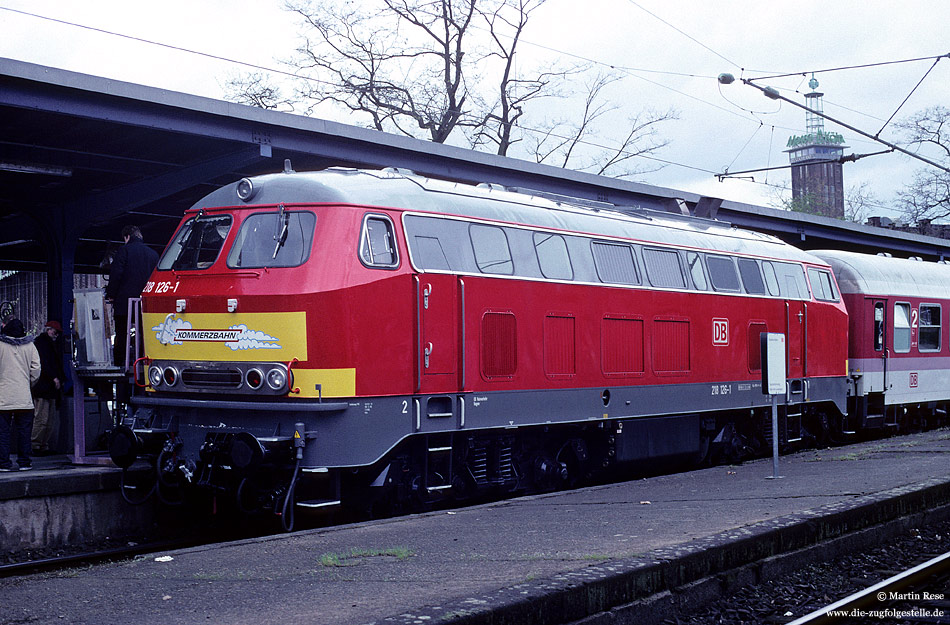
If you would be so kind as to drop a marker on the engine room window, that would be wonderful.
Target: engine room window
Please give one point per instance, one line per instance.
(722, 273)
(275, 239)
(902, 328)
(822, 286)
(771, 280)
(663, 268)
(429, 254)
(615, 263)
(553, 257)
(929, 340)
(197, 244)
(695, 264)
(751, 276)
(378, 243)
(791, 280)
(492, 254)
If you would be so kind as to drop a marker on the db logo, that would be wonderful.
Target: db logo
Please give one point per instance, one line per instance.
(913, 379)
(720, 331)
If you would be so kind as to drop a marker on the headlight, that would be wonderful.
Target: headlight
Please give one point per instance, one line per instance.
(155, 376)
(276, 378)
(170, 375)
(254, 378)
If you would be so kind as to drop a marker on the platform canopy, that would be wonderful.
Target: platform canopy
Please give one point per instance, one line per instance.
(81, 156)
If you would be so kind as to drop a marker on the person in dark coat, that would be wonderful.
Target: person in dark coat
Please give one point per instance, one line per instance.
(48, 389)
(128, 274)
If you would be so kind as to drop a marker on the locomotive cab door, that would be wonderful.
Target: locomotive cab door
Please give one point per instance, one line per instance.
(796, 324)
(437, 301)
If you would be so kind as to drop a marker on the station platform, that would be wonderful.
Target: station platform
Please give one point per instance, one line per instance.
(626, 552)
(58, 503)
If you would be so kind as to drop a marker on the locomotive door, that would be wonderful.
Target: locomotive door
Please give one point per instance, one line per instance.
(796, 320)
(437, 301)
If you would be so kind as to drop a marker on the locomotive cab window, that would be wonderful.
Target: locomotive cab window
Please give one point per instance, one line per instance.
(902, 328)
(197, 244)
(929, 338)
(663, 268)
(378, 242)
(822, 286)
(615, 263)
(276, 239)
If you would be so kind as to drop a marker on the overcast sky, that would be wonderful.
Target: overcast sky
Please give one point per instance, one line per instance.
(673, 51)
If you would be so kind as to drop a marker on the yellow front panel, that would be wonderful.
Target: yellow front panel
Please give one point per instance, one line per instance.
(333, 382)
(278, 337)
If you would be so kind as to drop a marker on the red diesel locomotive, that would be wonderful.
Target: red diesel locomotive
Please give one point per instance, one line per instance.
(363, 336)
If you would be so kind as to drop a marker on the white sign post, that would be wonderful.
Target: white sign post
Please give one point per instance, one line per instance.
(773, 382)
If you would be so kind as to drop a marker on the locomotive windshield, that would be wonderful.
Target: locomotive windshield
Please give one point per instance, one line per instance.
(273, 240)
(197, 244)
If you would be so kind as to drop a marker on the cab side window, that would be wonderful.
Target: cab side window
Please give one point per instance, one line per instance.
(378, 242)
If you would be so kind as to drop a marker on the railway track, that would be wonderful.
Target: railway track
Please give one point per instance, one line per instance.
(91, 557)
(917, 595)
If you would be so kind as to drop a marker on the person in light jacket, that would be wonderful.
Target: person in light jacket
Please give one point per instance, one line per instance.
(19, 370)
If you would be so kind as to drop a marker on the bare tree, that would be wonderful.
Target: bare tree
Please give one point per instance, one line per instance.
(441, 68)
(927, 196)
(576, 142)
(254, 90)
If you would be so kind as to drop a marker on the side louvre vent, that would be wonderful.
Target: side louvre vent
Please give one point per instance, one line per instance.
(499, 345)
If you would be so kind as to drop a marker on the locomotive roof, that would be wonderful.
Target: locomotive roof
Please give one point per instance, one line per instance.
(880, 275)
(399, 189)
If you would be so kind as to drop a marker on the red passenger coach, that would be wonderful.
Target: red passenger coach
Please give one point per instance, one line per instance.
(380, 336)
(899, 357)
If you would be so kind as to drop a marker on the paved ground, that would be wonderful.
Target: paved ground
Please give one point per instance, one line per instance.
(436, 566)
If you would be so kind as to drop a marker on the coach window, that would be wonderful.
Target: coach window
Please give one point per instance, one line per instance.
(378, 243)
(751, 276)
(902, 328)
(663, 268)
(552, 256)
(492, 254)
(276, 239)
(771, 280)
(929, 338)
(615, 263)
(822, 286)
(722, 273)
(695, 264)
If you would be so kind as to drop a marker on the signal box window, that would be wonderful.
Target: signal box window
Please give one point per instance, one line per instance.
(751, 276)
(929, 340)
(822, 285)
(722, 273)
(552, 256)
(197, 244)
(378, 243)
(615, 263)
(663, 268)
(275, 239)
(492, 254)
(902, 328)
